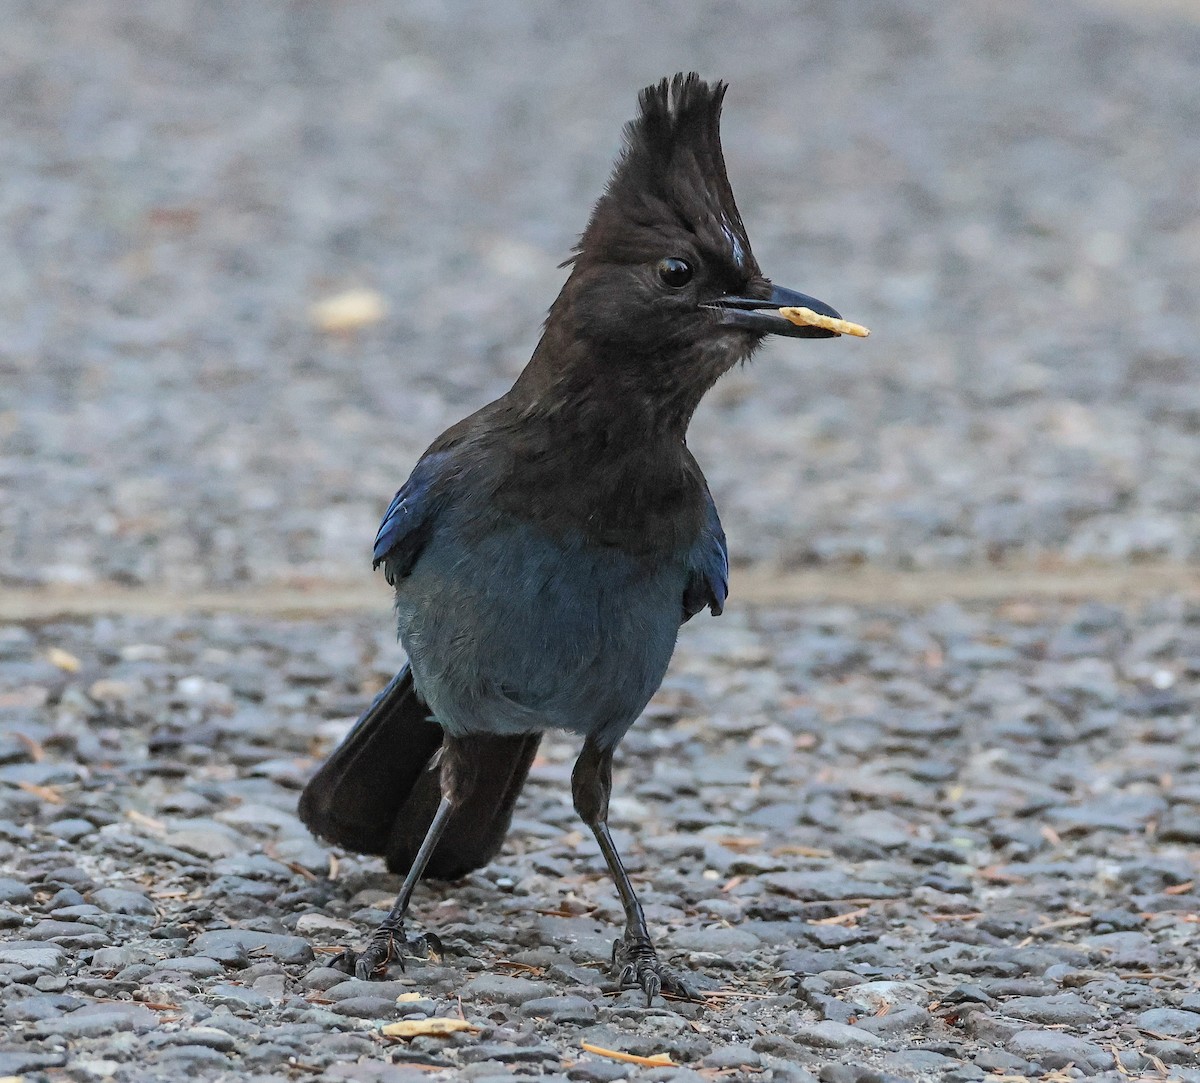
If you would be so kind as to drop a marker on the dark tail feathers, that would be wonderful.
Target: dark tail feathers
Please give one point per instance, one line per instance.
(377, 792)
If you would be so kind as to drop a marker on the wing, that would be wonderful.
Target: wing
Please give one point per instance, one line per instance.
(408, 521)
(708, 570)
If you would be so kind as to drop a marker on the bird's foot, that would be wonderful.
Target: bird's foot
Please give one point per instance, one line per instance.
(388, 944)
(635, 964)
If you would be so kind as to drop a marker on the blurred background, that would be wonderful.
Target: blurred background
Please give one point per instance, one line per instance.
(1007, 195)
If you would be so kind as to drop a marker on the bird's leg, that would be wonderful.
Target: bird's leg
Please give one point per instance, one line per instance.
(634, 958)
(388, 941)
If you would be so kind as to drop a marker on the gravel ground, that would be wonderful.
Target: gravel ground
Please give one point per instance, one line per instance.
(1006, 193)
(909, 842)
(950, 844)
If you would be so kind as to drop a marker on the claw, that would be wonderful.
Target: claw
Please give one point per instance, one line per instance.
(374, 959)
(677, 987)
(390, 945)
(636, 965)
(363, 968)
(432, 944)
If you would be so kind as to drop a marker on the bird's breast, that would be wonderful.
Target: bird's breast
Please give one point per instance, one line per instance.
(648, 501)
(511, 628)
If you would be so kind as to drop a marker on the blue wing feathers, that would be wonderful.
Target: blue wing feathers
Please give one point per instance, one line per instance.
(408, 520)
(708, 579)
(408, 523)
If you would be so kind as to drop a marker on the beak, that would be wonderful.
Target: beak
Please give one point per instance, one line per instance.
(755, 314)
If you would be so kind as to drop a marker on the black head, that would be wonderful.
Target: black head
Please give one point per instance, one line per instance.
(664, 294)
(668, 217)
(665, 264)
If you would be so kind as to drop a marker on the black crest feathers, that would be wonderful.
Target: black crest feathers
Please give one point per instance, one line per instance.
(671, 176)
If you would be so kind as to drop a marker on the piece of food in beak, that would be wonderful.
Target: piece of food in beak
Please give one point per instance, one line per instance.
(806, 317)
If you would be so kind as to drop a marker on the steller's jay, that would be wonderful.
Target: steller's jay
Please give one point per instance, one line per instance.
(546, 549)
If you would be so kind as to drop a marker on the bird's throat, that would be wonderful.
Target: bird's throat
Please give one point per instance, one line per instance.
(618, 399)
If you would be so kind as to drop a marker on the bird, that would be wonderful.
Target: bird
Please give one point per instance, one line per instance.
(545, 550)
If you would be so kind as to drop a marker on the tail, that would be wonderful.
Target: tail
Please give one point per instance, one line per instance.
(377, 792)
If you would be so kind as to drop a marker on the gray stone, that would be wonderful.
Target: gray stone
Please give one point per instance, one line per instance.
(119, 957)
(968, 994)
(137, 972)
(827, 884)
(17, 1062)
(83, 1025)
(304, 850)
(799, 961)
(354, 987)
(1174, 1022)
(1113, 812)
(252, 867)
(322, 925)
(1057, 1049)
(199, 966)
(14, 891)
(373, 1072)
(919, 1061)
(875, 994)
(1002, 1063)
(33, 1008)
(592, 1069)
(987, 1026)
(505, 989)
(830, 1035)
(46, 773)
(778, 1046)
(834, 936)
(233, 945)
(357, 1044)
(367, 1007)
(719, 940)
(840, 1011)
(964, 1073)
(272, 985)
(1180, 825)
(322, 978)
(191, 1059)
(787, 1072)
(141, 1016)
(205, 843)
(212, 1037)
(508, 1053)
(1125, 949)
(898, 1021)
(71, 932)
(224, 1019)
(14, 832)
(561, 1009)
(1172, 1052)
(32, 955)
(237, 996)
(120, 901)
(1064, 1009)
(72, 829)
(733, 1056)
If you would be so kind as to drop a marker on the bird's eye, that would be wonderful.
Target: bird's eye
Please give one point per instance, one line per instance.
(674, 272)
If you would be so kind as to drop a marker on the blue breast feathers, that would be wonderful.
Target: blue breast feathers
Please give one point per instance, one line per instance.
(708, 572)
(408, 521)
